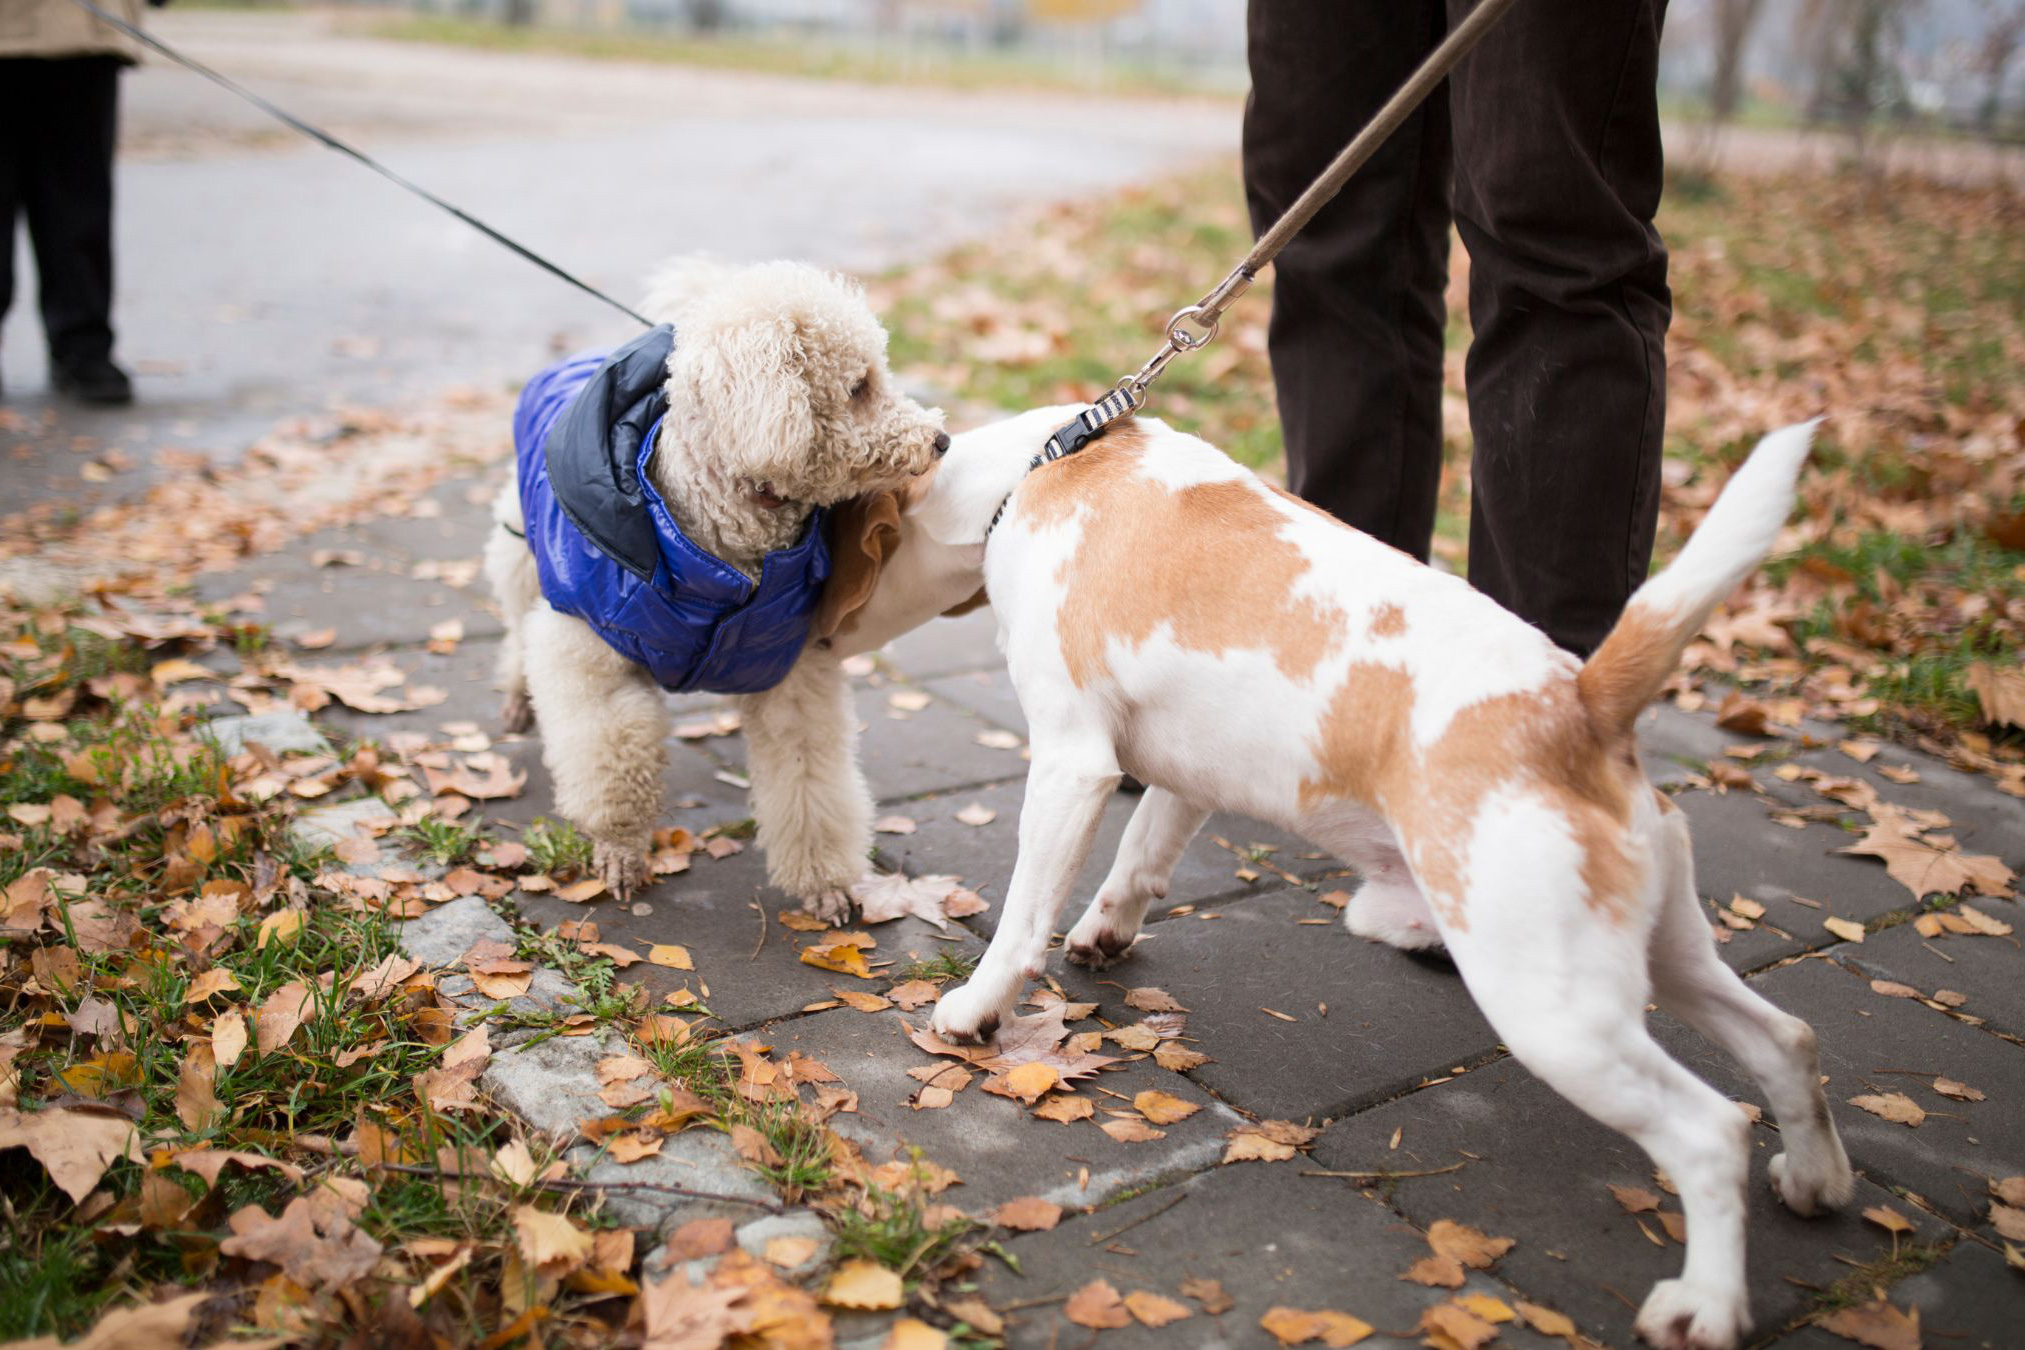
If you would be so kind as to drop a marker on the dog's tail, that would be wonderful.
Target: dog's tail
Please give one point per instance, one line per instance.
(1638, 656)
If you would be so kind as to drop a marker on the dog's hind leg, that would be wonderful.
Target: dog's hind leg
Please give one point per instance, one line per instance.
(808, 793)
(1563, 981)
(1690, 981)
(1154, 839)
(604, 738)
(509, 567)
(1073, 775)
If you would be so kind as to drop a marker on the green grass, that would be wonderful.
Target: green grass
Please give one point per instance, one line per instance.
(556, 847)
(445, 842)
(892, 1229)
(867, 61)
(939, 968)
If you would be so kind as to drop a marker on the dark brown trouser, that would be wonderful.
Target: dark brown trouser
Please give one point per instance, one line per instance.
(1545, 150)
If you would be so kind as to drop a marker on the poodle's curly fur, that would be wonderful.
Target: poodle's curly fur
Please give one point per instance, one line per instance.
(779, 401)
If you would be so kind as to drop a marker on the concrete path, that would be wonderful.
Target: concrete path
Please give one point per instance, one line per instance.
(1385, 1053)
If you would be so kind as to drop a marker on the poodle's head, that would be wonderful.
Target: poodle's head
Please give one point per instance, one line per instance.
(779, 378)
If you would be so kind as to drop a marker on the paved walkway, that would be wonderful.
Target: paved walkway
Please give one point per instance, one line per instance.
(1385, 1052)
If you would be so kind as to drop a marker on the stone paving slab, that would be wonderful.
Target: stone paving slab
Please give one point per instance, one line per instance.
(1392, 1019)
(967, 642)
(1740, 851)
(1537, 1170)
(994, 1143)
(1272, 1238)
(1947, 1158)
(1967, 1301)
(1990, 970)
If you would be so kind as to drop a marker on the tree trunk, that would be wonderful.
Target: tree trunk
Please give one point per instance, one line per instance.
(1734, 21)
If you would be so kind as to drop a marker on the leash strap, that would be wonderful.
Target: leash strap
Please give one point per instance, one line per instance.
(325, 138)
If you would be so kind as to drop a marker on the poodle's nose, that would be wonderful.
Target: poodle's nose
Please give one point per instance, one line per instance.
(941, 444)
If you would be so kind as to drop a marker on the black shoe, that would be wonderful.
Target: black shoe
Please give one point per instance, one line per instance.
(95, 380)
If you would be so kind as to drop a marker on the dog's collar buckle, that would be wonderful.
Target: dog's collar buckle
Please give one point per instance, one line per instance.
(1088, 425)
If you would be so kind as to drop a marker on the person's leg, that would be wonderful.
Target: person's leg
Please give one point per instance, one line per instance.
(1558, 174)
(1357, 323)
(14, 114)
(67, 191)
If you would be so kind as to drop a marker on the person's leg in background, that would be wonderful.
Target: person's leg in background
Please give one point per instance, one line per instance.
(1358, 318)
(66, 178)
(13, 133)
(1558, 176)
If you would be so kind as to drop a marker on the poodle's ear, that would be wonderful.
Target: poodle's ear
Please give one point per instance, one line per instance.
(677, 286)
(745, 386)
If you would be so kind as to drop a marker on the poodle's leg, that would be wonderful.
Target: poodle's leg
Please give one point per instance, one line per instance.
(604, 733)
(1154, 839)
(1073, 776)
(808, 793)
(1563, 981)
(1690, 981)
(509, 567)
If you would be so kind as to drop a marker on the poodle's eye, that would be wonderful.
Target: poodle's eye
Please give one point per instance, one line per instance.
(861, 388)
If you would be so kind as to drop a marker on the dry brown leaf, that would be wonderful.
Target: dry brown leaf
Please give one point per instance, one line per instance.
(894, 896)
(75, 1146)
(1029, 1081)
(1959, 1091)
(1546, 1321)
(864, 1003)
(314, 1244)
(2008, 1222)
(1030, 1214)
(1466, 1244)
(913, 994)
(1895, 1107)
(669, 955)
(1846, 929)
(228, 1038)
(1925, 869)
(1155, 1310)
(1163, 1108)
(1889, 1219)
(2000, 690)
(197, 1104)
(893, 825)
(280, 1014)
(1065, 1107)
(1097, 1306)
(1635, 1199)
(865, 1285)
(1437, 1272)
(1130, 1130)
(1293, 1326)
(152, 1326)
(1209, 1293)
(1178, 1058)
(1148, 999)
(2011, 1190)
(550, 1243)
(1876, 1324)
(1457, 1325)
(976, 814)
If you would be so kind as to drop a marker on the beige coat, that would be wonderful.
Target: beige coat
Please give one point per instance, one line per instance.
(63, 28)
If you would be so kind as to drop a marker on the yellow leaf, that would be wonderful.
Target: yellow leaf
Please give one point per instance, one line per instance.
(281, 927)
(579, 891)
(1163, 1108)
(549, 1242)
(228, 1038)
(175, 670)
(841, 958)
(1029, 1081)
(1293, 1326)
(864, 1284)
(669, 955)
(912, 1334)
(1845, 929)
(1097, 1306)
(1486, 1307)
(1889, 1219)
(1155, 1310)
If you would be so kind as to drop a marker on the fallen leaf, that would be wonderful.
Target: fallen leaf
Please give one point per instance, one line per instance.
(277, 1018)
(1925, 869)
(152, 1326)
(2008, 1222)
(892, 825)
(894, 895)
(788, 1252)
(1635, 1199)
(550, 1243)
(1028, 1081)
(911, 1333)
(1960, 1092)
(1030, 1214)
(1436, 1272)
(2000, 690)
(1846, 929)
(1155, 1310)
(1163, 1108)
(315, 1245)
(670, 955)
(197, 1104)
(74, 1146)
(1892, 1106)
(864, 1003)
(1546, 1321)
(865, 1285)
(1457, 1325)
(1065, 1107)
(1293, 1326)
(1209, 1293)
(1876, 1324)
(1130, 1130)
(228, 1038)
(1466, 1244)
(1889, 1219)
(976, 814)
(1097, 1306)
(913, 994)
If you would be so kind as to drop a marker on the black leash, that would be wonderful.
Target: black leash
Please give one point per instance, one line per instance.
(325, 138)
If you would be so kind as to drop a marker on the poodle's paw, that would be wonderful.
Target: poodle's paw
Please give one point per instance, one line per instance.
(1097, 945)
(968, 1016)
(622, 867)
(1808, 1190)
(833, 907)
(1682, 1316)
(516, 711)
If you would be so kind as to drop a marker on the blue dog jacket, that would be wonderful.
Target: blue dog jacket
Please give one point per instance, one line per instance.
(609, 552)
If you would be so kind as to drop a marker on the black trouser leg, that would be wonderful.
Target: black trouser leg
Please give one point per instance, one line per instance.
(14, 129)
(1357, 322)
(1558, 175)
(65, 176)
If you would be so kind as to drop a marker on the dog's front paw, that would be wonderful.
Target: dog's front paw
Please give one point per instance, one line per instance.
(516, 712)
(1682, 1316)
(1810, 1195)
(1098, 946)
(622, 867)
(833, 907)
(966, 1016)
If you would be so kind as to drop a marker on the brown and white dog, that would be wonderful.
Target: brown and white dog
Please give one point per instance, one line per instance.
(1165, 613)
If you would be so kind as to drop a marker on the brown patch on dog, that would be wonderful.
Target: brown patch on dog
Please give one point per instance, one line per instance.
(1209, 561)
(1541, 740)
(1388, 621)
